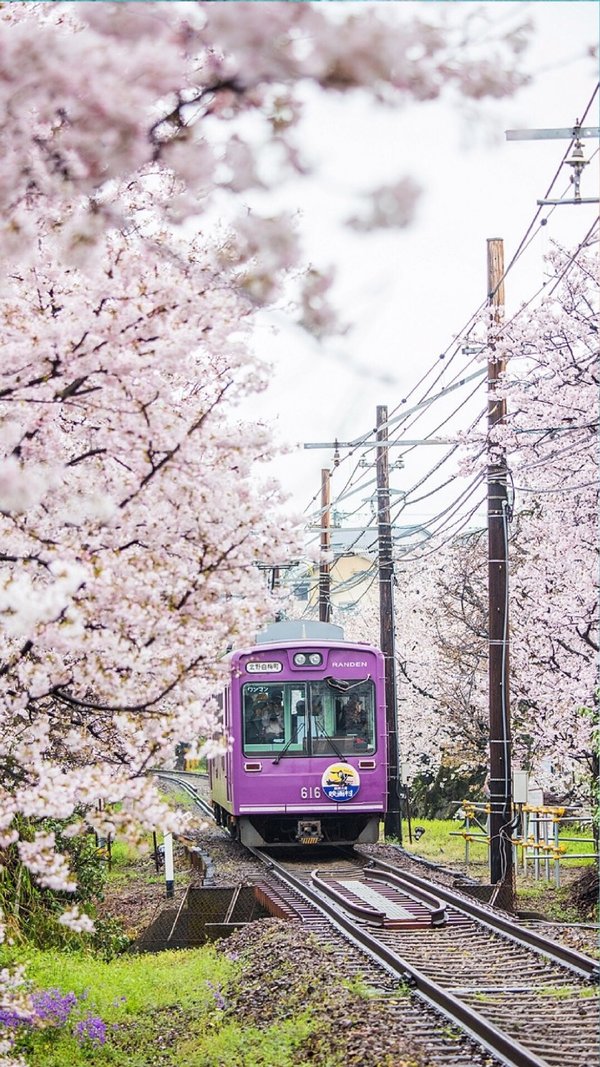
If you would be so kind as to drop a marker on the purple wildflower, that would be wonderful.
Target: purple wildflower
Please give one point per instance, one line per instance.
(92, 1029)
(11, 1018)
(219, 998)
(52, 1006)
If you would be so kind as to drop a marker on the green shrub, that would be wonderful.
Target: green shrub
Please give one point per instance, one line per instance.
(32, 911)
(437, 794)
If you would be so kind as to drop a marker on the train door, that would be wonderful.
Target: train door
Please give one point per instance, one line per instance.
(228, 755)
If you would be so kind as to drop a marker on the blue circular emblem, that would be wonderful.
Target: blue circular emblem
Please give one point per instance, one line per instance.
(340, 782)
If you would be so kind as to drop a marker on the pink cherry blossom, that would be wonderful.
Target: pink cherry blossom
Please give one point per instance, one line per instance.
(132, 518)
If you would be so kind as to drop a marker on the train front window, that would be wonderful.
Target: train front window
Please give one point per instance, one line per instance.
(343, 717)
(316, 718)
(275, 717)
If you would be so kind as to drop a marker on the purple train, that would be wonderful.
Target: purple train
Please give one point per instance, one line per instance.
(305, 713)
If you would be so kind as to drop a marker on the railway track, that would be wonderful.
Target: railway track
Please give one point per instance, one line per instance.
(527, 1000)
(520, 998)
(189, 782)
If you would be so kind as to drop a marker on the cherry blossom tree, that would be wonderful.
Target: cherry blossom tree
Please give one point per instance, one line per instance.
(442, 652)
(129, 528)
(551, 384)
(551, 440)
(130, 522)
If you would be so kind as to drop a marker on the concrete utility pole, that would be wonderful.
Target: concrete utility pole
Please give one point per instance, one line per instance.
(501, 865)
(393, 821)
(325, 565)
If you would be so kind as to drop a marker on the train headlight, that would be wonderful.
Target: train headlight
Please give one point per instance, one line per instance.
(308, 659)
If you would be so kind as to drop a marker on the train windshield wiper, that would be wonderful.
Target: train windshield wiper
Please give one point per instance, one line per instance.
(293, 739)
(321, 733)
(344, 686)
(281, 754)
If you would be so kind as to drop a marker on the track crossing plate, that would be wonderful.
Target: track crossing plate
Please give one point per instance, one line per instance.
(377, 900)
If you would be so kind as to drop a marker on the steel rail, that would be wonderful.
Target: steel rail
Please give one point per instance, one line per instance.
(173, 776)
(436, 910)
(432, 902)
(361, 911)
(583, 966)
(475, 1026)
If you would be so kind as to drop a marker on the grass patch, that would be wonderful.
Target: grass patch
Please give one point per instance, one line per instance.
(436, 844)
(131, 862)
(178, 798)
(547, 899)
(144, 1005)
(230, 1045)
(124, 861)
(168, 1009)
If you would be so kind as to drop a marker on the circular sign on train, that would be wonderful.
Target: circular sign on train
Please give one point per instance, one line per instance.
(340, 782)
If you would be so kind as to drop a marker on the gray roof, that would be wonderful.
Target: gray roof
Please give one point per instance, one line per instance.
(358, 541)
(299, 630)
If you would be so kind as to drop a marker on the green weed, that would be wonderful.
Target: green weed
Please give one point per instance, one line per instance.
(435, 843)
(144, 1006)
(231, 1046)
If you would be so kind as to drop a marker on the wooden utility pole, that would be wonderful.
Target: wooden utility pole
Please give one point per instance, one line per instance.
(393, 821)
(325, 565)
(500, 784)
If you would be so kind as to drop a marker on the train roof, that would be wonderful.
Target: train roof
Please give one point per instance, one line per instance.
(291, 630)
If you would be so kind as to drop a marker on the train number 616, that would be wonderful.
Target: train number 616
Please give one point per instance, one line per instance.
(309, 792)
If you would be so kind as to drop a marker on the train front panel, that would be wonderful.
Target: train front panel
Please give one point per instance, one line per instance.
(309, 758)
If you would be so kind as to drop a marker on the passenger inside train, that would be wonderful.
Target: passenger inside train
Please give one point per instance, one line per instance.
(353, 719)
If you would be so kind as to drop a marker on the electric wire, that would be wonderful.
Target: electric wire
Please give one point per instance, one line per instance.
(559, 489)
(459, 340)
(464, 333)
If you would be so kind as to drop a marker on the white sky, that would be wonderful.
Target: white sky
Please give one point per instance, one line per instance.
(407, 294)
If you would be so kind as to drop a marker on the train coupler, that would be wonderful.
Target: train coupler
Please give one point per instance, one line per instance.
(309, 832)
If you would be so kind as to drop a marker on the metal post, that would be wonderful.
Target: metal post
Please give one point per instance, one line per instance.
(325, 565)
(536, 847)
(408, 811)
(169, 876)
(501, 866)
(393, 821)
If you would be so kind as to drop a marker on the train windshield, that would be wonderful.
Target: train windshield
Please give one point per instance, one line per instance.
(330, 717)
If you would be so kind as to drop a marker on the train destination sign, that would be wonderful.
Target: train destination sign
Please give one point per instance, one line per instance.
(264, 667)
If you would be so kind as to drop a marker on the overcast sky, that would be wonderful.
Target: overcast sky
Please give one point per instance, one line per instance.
(406, 294)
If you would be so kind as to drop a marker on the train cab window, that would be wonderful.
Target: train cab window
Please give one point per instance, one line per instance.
(274, 717)
(309, 718)
(355, 721)
(343, 717)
